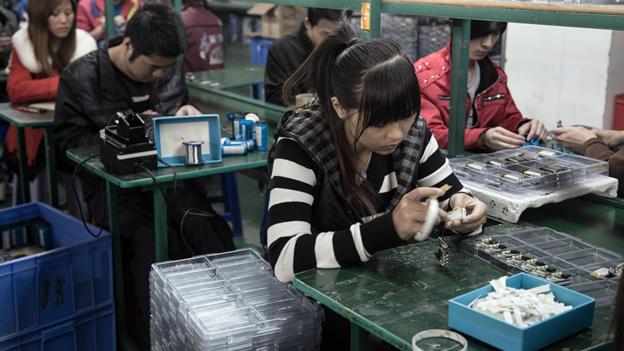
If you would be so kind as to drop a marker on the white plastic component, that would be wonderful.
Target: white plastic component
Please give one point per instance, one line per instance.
(430, 220)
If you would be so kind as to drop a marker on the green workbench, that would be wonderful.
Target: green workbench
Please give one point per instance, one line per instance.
(404, 290)
(89, 158)
(214, 94)
(227, 78)
(22, 120)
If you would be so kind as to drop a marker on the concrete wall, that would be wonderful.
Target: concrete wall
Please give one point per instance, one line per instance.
(567, 74)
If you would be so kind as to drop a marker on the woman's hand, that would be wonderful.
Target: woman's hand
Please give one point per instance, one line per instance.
(573, 138)
(476, 212)
(410, 213)
(533, 129)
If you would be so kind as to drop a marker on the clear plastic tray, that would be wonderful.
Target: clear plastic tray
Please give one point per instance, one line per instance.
(530, 169)
(555, 256)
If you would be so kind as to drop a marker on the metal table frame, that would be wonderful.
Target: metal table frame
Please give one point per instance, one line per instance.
(164, 177)
(22, 120)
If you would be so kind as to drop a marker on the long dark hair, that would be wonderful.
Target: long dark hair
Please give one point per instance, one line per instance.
(618, 318)
(374, 79)
(41, 38)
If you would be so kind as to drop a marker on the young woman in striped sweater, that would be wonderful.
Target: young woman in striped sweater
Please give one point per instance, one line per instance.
(349, 171)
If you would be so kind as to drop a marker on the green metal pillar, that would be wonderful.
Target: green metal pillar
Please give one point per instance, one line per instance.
(24, 185)
(161, 241)
(118, 272)
(459, 79)
(110, 15)
(51, 159)
(177, 5)
(375, 19)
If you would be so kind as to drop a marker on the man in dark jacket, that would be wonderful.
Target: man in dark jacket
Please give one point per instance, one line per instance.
(288, 52)
(141, 71)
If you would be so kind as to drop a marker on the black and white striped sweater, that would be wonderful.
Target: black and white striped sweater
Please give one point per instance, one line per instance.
(303, 157)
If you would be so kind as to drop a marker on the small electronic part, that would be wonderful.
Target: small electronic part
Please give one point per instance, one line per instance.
(546, 153)
(456, 214)
(474, 165)
(514, 159)
(511, 176)
(531, 173)
(495, 163)
(443, 252)
(617, 270)
(602, 272)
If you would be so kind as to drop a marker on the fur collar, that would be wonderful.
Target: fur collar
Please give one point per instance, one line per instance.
(24, 49)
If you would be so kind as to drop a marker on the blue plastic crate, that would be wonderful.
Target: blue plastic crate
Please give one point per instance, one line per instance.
(260, 50)
(93, 330)
(75, 276)
(509, 337)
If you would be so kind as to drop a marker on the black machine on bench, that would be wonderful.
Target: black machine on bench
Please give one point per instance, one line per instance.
(125, 147)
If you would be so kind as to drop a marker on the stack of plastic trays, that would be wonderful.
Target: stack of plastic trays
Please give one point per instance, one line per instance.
(230, 302)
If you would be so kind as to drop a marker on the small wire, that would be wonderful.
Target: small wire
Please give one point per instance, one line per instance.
(78, 203)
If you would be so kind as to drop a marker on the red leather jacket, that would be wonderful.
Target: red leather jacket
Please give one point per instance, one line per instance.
(494, 105)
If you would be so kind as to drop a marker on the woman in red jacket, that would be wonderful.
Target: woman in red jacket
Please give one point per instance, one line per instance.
(40, 51)
(493, 122)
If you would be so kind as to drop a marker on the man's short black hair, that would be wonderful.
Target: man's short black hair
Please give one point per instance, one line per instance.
(479, 29)
(156, 29)
(316, 14)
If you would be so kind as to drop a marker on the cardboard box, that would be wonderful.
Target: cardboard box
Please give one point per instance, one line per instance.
(277, 20)
(508, 337)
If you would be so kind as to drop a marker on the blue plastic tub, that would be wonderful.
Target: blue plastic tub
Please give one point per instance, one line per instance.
(74, 277)
(506, 336)
(171, 131)
(93, 330)
(260, 50)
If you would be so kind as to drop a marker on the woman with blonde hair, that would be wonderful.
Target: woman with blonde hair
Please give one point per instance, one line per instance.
(41, 50)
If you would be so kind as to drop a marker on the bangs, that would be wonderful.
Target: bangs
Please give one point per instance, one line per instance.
(390, 93)
(480, 29)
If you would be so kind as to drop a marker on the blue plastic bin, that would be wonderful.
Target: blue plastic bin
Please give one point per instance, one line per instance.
(94, 330)
(260, 50)
(74, 277)
(506, 336)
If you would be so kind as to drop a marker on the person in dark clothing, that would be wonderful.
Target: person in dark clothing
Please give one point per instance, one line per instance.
(287, 53)
(142, 71)
(204, 35)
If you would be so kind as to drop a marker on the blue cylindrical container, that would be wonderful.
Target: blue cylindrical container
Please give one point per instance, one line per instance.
(236, 135)
(246, 129)
(262, 136)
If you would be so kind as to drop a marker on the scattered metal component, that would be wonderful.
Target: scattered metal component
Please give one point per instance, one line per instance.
(443, 252)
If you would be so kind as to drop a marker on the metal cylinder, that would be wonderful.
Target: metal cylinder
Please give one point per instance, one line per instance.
(193, 152)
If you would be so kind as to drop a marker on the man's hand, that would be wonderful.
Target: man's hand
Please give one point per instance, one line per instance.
(188, 110)
(533, 129)
(499, 138)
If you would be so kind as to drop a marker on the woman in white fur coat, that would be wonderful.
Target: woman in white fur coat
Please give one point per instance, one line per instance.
(41, 50)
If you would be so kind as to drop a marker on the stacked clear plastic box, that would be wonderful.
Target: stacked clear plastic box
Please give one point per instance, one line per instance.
(528, 169)
(228, 301)
(554, 256)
